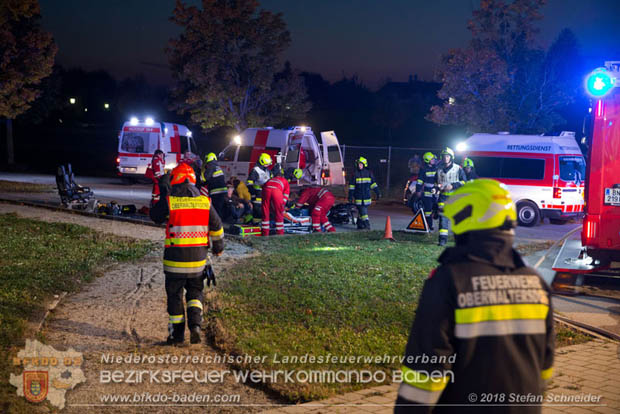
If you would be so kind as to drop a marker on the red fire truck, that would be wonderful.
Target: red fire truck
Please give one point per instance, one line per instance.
(598, 251)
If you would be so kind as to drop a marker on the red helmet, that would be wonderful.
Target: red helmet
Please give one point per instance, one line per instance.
(183, 172)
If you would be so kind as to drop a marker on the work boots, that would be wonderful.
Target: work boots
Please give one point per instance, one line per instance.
(194, 334)
(176, 334)
(443, 240)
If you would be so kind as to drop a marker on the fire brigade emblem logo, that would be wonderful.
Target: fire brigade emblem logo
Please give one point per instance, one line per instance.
(35, 385)
(48, 374)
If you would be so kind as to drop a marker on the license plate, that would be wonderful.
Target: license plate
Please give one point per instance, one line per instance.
(612, 196)
(129, 169)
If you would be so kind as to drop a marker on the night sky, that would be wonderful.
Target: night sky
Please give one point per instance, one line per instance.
(374, 39)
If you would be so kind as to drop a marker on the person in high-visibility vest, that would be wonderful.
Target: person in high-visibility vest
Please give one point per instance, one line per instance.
(259, 175)
(213, 183)
(192, 227)
(484, 322)
(361, 184)
(469, 169)
(448, 178)
(155, 171)
(275, 196)
(425, 185)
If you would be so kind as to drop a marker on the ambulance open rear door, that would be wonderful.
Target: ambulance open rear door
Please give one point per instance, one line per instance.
(333, 166)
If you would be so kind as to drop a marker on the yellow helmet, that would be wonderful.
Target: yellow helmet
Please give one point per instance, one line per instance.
(363, 161)
(264, 159)
(467, 162)
(297, 173)
(481, 204)
(428, 157)
(210, 157)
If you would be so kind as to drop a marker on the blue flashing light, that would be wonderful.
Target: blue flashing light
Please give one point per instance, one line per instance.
(599, 83)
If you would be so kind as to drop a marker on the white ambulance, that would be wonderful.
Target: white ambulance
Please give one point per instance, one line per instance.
(295, 147)
(138, 140)
(545, 174)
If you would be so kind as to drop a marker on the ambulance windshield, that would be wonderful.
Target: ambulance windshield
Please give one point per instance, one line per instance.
(572, 169)
(139, 142)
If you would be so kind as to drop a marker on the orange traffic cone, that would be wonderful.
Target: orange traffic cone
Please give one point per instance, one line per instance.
(388, 229)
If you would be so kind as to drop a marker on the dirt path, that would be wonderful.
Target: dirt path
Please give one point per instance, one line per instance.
(124, 312)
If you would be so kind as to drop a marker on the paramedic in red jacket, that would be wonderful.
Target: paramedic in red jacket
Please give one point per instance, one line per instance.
(275, 195)
(158, 164)
(320, 200)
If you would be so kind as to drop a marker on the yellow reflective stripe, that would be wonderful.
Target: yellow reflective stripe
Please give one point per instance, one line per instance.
(443, 231)
(172, 263)
(217, 235)
(362, 180)
(187, 242)
(374, 185)
(420, 380)
(418, 395)
(194, 303)
(182, 203)
(351, 186)
(218, 173)
(176, 319)
(250, 181)
(501, 313)
(420, 182)
(546, 373)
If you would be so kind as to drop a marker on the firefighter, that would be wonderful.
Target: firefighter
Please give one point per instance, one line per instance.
(484, 322)
(424, 187)
(192, 226)
(359, 191)
(449, 177)
(155, 172)
(213, 183)
(470, 171)
(320, 200)
(259, 175)
(275, 194)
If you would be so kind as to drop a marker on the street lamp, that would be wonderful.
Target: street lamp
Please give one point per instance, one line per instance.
(72, 101)
(106, 106)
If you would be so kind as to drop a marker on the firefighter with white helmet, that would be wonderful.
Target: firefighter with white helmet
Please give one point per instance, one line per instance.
(259, 175)
(361, 184)
(449, 177)
(484, 322)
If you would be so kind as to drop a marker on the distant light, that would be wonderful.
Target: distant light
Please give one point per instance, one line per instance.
(599, 83)
(165, 130)
(461, 146)
(106, 105)
(85, 109)
(237, 140)
(72, 101)
(148, 120)
(189, 133)
(60, 120)
(451, 101)
(133, 120)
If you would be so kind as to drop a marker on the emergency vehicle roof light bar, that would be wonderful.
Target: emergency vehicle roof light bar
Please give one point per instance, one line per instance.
(602, 80)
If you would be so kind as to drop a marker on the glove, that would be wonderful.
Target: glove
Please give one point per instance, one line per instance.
(209, 275)
(448, 187)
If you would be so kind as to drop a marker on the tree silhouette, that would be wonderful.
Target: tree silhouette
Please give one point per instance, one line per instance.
(226, 65)
(26, 57)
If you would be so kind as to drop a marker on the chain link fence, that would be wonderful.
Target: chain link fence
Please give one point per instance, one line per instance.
(390, 165)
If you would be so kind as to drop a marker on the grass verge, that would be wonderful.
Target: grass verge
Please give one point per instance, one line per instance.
(17, 187)
(38, 260)
(345, 294)
(340, 294)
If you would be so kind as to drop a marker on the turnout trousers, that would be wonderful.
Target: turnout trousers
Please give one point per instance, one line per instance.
(272, 199)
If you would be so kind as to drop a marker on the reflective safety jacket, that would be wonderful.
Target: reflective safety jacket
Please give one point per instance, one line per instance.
(213, 177)
(360, 185)
(312, 195)
(450, 175)
(483, 327)
(191, 227)
(279, 184)
(426, 180)
(258, 176)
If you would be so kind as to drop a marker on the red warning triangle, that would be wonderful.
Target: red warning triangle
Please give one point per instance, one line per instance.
(418, 224)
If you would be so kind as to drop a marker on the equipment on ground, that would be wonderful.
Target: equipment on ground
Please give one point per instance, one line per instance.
(72, 195)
